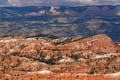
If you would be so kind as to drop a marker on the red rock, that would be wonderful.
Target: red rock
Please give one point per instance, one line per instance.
(95, 54)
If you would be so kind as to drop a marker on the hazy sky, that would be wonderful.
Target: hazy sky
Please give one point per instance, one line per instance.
(57, 2)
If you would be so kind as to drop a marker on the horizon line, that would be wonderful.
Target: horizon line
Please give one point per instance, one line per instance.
(63, 5)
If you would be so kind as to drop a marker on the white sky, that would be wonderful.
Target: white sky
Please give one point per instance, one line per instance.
(57, 2)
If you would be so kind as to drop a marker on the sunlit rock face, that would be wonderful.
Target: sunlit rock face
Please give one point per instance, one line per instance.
(34, 57)
(54, 10)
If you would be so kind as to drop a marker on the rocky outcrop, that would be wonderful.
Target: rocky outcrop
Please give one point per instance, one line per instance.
(97, 54)
(53, 10)
(94, 44)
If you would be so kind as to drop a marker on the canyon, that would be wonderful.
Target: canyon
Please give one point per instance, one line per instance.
(95, 57)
